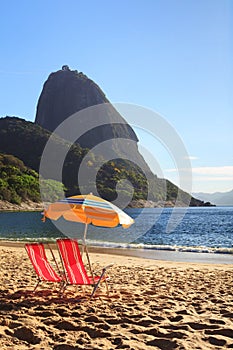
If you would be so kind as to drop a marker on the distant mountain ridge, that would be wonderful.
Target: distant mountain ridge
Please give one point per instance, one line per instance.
(218, 198)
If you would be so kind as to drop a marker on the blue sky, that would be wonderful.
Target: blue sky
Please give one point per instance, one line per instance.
(171, 56)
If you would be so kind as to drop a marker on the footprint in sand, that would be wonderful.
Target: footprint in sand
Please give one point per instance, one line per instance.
(213, 321)
(62, 312)
(163, 343)
(65, 347)
(113, 320)
(226, 313)
(157, 333)
(146, 322)
(26, 334)
(95, 332)
(67, 326)
(216, 341)
(226, 332)
(46, 314)
(176, 318)
(177, 328)
(201, 326)
(92, 319)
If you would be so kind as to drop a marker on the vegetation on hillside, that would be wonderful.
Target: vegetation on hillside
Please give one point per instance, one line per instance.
(19, 177)
(26, 141)
(19, 183)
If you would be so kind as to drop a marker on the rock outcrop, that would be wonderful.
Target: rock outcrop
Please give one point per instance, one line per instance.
(64, 93)
(69, 91)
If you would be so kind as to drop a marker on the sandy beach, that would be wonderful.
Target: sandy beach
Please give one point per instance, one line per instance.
(152, 305)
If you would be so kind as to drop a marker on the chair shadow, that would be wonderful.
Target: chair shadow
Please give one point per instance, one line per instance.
(25, 298)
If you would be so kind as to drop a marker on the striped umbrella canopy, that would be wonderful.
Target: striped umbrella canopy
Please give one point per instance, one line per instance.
(88, 209)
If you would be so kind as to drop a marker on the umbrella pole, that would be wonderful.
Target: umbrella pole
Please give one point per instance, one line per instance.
(84, 238)
(85, 248)
(89, 263)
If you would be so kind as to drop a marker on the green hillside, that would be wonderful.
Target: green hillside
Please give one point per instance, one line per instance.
(26, 141)
(17, 182)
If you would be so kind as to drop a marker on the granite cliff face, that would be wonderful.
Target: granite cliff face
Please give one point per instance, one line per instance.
(66, 92)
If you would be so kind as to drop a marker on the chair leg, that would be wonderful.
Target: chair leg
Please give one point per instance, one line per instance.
(106, 284)
(36, 285)
(94, 289)
(63, 288)
(97, 284)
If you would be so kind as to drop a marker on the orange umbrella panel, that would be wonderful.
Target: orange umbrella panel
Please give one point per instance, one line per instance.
(88, 209)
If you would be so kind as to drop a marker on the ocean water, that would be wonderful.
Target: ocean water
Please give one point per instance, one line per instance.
(200, 230)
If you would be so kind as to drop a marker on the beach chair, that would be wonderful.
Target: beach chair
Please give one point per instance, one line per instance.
(74, 268)
(43, 269)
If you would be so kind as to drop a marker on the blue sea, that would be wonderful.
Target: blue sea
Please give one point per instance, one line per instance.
(198, 230)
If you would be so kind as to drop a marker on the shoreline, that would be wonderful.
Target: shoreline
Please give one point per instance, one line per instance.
(29, 205)
(24, 206)
(154, 255)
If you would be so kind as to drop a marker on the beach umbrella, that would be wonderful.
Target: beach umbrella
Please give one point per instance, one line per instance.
(88, 209)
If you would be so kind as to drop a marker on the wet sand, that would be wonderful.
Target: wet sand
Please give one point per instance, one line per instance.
(153, 304)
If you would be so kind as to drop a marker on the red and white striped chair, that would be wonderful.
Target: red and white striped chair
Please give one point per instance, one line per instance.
(74, 268)
(42, 267)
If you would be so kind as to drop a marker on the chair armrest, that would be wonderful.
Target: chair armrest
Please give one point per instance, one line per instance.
(104, 268)
(101, 277)
(108, 266)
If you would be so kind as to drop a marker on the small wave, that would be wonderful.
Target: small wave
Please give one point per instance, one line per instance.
(133, 246)
(28, 239)
(141, 246)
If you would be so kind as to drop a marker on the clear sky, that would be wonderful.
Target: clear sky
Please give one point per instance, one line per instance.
(171, 56)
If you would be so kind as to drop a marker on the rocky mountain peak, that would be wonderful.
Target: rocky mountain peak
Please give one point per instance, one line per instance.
(68, 91)
(64, 93)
